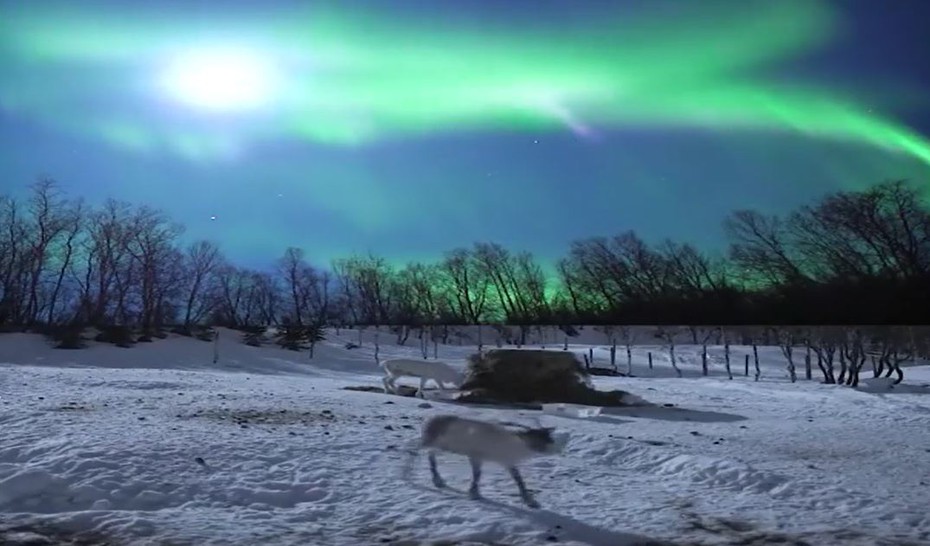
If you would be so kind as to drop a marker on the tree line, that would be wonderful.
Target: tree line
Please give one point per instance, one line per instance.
(851, 257)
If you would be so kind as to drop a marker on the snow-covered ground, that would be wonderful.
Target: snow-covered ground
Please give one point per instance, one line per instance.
(159, 445)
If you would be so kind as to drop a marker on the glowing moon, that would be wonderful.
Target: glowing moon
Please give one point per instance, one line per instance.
(220, 79)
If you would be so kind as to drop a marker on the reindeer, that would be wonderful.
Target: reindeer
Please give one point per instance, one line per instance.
(483, 441)
(438, 371)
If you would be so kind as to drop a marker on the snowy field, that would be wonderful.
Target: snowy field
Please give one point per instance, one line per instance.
(159, 445)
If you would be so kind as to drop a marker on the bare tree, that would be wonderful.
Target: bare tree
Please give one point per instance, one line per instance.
(407, 299)
(704, 335)
(806, 338)
(65, 255)
(760, 245)
(854, 352)
(426, 282)
(691, 272)
(602, 275)
(825, 342)
(894, 347)
(726, 352)
(468, 285)
(291, 268)
(668, 334)
(151, 244)
(264, 298)
(788, 338)
(233, 287)
(880, 232)
(308, 291)
(519, 284)
(751, 335)
(201, 263)
(106, 253)
(582, 294)
(628, 335)
(610, 332)
(47, 220)
(366, 284)
(12, 258)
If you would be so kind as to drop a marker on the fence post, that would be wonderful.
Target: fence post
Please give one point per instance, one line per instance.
(807, 364)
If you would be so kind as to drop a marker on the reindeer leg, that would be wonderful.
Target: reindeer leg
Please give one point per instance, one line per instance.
(422, 386)
(475, 478)
(407, 469)
(437, 479)
(524, 492)
(386, 381)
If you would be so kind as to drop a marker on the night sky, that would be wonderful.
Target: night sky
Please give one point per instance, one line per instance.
(407, 128)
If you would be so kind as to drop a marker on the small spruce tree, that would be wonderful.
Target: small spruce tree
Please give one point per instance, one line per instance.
(253, 336)
(292, 337)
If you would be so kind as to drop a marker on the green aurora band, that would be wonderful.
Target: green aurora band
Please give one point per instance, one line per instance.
(354, 78)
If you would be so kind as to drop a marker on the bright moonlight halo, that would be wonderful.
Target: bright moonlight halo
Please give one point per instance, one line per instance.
(227, 79)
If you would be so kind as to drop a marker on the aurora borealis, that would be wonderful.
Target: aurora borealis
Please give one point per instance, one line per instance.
(411, 127)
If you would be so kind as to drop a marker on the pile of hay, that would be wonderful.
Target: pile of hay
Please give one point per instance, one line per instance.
(522, 376)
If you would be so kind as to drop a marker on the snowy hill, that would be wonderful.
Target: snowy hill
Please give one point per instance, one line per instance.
(158, 444)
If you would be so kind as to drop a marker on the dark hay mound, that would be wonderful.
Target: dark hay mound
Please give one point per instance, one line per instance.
(403, 390)
(610, 372)
(525, 376)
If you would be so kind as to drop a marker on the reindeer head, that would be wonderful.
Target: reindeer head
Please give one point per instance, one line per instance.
(541, 440)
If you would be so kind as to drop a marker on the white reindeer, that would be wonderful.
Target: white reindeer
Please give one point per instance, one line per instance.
(483, 441)
(438, 371)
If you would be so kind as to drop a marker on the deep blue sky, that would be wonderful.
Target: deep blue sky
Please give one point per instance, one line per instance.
(416, 195)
